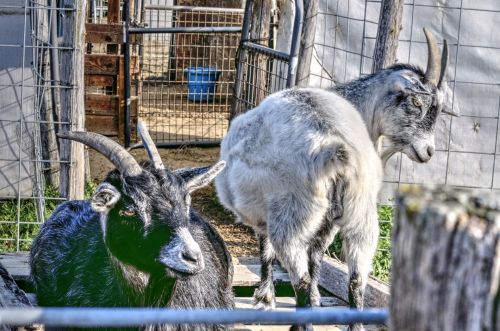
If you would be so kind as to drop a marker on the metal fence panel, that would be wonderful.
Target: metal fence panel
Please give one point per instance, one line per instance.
(29, 117)
(173, 62)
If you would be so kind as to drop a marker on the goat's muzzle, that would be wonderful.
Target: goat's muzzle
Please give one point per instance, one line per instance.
(182, 255)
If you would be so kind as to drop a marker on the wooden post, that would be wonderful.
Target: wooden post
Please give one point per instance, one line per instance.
(259, 33)
(446, 261)
(72, 100)
(389, 27)
(307, 42)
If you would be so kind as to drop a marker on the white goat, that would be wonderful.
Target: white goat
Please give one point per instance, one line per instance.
(302, 165)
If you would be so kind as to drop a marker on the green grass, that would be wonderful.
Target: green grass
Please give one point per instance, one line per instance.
(382, 258)
(29, 225)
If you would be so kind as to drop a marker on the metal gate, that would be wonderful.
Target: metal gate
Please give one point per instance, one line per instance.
(199, 66)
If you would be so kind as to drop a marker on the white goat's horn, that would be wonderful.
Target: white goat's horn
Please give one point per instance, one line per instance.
(113, 151)
(444, 63)
(433, 63)
(149, 145)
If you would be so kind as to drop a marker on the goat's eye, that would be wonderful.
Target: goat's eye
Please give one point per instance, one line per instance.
(417, 102)
(127, 212)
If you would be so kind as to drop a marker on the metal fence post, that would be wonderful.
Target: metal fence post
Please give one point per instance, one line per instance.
(240, 60)
(295, 48)
(126, 78)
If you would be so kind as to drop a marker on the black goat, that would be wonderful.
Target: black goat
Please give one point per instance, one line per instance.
(136, 242)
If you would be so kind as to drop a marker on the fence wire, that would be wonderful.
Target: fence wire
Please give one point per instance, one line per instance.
(185, 79)
(30, 113)
(466, 147)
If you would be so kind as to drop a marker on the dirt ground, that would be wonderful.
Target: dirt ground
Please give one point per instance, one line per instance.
(239, 238)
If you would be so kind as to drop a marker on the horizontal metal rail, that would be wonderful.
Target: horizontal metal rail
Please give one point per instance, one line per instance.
(195, 9)
(180, 143)
(266, 51)
(125, 317)
(207, 29)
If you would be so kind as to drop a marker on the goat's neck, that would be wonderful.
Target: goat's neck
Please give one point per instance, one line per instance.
(365, 96)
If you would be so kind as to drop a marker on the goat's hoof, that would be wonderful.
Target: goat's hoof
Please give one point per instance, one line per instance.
(302, 327)
(267, 302)
(356, 327)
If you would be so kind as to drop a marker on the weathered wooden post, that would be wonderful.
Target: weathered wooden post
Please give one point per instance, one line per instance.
(307, 42)
(446, 261)
(72, 99)
(389, 27)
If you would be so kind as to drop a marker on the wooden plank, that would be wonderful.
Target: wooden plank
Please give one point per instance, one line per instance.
(101, 64)
(105, 125)
(113, 11)
(333, 278)
(247, 273)
(104, 33)
(284, 303)
(99, 80)
(101, 104)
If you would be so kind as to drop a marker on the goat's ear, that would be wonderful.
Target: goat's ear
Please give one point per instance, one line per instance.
(104, 198)
(205, 178)
(445, 93)
(408, 82)
(189, 173)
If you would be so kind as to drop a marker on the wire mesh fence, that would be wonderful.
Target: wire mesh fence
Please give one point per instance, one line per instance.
(31, 89)
(466, 147)
(186, 77)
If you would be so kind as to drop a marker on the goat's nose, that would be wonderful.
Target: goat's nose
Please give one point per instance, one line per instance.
(430, 151)
(191, 255)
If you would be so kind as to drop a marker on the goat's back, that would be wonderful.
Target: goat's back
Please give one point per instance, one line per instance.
(278, 147)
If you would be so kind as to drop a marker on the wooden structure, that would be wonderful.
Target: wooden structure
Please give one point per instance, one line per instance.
(446, 261)
(246, 276)
(104, 77)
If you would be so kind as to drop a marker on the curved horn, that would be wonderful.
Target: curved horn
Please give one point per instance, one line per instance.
(150, 146)
(444, 63)
(433, 63)
(122, 160)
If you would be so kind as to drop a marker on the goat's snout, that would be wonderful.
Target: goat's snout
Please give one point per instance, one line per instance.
(183, 254)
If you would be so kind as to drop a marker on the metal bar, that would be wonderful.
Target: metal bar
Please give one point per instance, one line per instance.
(194, 9)
(241, 59)
(266, 51)
(55, 73)
(124, 317)
(295, 47)
(206, 29)
(126, 63)
(176, 144)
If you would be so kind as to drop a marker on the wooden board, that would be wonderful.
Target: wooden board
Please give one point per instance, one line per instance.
(102, 64)
(99, 80)
(246, 273)
(104, 33)
(101, 104)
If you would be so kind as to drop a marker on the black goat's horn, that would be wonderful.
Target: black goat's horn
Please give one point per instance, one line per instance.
(433, 61)
(122, 160)
(444, 63)
(149, 145)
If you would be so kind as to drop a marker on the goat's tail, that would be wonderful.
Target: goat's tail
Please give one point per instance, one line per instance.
(331, 160)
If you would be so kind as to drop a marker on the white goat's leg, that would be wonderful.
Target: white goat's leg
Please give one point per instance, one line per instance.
(359, 251)
(316, 251)
(264, 296)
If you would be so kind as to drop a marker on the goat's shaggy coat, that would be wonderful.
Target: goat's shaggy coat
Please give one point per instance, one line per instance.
(135, 243)
(303, 165)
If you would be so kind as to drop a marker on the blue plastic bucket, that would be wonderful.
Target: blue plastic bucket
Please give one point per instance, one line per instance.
(202, 82)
